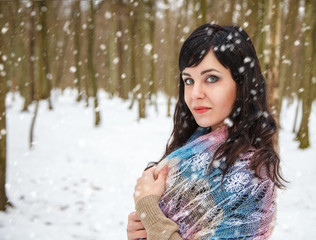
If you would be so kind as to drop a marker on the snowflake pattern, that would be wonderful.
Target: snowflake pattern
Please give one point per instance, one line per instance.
(237, 182)
(200, 161)
(256, 216)
(234, 222)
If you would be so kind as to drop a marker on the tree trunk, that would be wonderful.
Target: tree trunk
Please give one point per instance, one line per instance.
(144, 60)
(20, 52)
(61, 60)
(303, 133)
(120, 81)
(91, 27)
(152, 82)
(272, 58)
(3, 135)
(30, 96)
(286, 50)
(113, 59)
(313, 87)
(168, 61)
(77, 26)
(133, 47)
(47, 76)
(11, 71)
(31, 143)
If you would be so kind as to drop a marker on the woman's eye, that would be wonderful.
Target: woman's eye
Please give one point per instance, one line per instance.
(212, 79)
(188, 81)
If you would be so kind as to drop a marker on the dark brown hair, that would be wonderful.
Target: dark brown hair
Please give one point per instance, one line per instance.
(253, 125)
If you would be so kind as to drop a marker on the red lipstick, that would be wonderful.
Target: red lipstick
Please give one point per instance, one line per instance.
(201, 109)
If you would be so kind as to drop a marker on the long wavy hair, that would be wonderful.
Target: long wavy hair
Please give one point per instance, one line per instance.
(253, 125)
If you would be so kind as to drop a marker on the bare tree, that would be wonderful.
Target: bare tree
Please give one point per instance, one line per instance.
(46, 75)
(303, 133)
(272, 56)
(30, 29)
(77, 24)
(168, 60)
(3, 138)
(91, 29)
(133, 45)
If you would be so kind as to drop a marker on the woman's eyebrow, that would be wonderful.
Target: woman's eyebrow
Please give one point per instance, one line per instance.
(209, 70)
(203, 72)
(186, 74)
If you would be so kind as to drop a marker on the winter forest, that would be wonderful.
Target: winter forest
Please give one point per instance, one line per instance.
(87, 91)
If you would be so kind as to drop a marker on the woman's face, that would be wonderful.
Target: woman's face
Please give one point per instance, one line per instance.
(209, 91)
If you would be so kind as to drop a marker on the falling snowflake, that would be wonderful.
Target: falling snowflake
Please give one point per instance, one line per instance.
(241, 69)
(253, 92)
(247, 60)
(116, 60)
(107, 15)
(237, 182)
(297, 42)
(4, 30)
(148, 47)
(155, 56)
(186, 29)
(4, 58)
(73, 69)
(230, 36)
(228, 122)
(238, 41)
(102, 47)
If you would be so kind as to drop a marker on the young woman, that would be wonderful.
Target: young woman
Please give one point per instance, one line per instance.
(219, 174)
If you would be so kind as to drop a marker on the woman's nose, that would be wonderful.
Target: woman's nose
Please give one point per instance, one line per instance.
(197, 91)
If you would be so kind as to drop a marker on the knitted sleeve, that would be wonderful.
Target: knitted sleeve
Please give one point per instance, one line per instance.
(157, 225)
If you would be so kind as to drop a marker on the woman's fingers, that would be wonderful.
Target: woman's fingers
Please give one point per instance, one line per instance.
(149, 174)
(133, 235)
(135, 226)
(133, 217)
(135, 229)
(163, 173)
(134, 222)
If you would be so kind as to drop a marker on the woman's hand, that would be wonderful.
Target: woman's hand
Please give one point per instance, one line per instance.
(135, 228)
(149, 184)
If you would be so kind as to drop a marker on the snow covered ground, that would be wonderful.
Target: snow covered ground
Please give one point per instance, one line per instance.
(77, 182)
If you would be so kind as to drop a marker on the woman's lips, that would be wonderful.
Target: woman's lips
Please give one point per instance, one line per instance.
(201, 109)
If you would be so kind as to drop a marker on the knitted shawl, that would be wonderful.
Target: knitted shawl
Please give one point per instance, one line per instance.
(242, 207)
